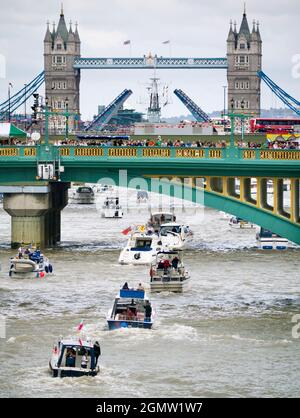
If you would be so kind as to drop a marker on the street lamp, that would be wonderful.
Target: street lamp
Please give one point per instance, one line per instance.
(242, 119)
(25, 110)
(224, 107)
(46, 122)
(9, 86)
(67, 117)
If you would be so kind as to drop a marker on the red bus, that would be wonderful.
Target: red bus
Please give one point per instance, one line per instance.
(274, 125)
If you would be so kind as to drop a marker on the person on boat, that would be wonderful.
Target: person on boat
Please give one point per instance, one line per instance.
(175, 262)
(130, 314)
(70, 358)
(125, 286)
(84, 360)
(148, 311)
(167, 264)
(97, 352)
(140, 287)
(20, 252)
(160, 265)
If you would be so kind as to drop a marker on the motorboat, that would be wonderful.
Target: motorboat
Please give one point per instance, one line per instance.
(74, 357)
(159, 218)
(174, 235)
(111, 208)
(239, 223)
(29, 263)
(105, 188)
(141, 196)
(168, 273)
(130, 310)
(141, 248)
(83, 195)
(268, 240)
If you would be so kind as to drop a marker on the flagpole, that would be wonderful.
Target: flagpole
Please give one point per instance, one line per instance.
(8, 102)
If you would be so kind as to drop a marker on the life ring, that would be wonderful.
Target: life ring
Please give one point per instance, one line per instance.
(137, 256)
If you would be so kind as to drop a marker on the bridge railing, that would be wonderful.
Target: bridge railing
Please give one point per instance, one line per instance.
(29, 153)
(141, 152)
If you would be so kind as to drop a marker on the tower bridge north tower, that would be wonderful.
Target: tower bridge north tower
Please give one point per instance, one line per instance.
(62, 80)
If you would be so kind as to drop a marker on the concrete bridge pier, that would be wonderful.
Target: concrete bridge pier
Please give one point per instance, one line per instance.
(35, 212)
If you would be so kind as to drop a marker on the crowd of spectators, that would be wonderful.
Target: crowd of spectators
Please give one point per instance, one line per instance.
(162, 143)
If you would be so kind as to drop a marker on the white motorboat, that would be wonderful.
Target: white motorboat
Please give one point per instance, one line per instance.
(225, 215)
(112, 208)
(267, 240)
(174, 235)
(141, 248)
(29, 264)
(142, 196)
(168, 273)
(131, 309)
(159, 218)
(239, 223)
(83, 195)
(73, 357)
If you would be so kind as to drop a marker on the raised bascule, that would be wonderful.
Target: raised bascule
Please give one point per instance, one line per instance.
(35, 179)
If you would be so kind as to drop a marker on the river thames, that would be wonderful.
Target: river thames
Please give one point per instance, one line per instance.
(229, 334)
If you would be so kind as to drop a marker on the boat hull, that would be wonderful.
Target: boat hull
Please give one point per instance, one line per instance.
(117, 324)
(72, 371)
(136, 258)
(273, 244)
(169, 286)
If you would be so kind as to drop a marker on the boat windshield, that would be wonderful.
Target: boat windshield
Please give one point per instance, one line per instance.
(142, 244)
(172, 228)
(77, 356)
(266, 233)
(84, 190)
(160, 218)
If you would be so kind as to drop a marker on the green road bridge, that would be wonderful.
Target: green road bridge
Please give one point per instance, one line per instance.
(35, 179)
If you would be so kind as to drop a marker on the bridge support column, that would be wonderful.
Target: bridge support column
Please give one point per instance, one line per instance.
(278, 196)
(295, 215)
(35, 213)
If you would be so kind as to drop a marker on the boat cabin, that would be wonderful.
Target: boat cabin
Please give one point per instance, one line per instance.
(85, 189)
(129, 306)
(159, 218)
(141, 243)
(78, 354)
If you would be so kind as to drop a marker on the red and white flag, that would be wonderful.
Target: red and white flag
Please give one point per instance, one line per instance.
(80, 326)
(126, 231)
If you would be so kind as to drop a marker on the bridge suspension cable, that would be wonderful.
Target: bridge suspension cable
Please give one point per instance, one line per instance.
(195, 110)
(286, 98)
(21, 96)
(104, 117)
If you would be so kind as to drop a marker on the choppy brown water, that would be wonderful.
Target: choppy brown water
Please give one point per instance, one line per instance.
(230, 334)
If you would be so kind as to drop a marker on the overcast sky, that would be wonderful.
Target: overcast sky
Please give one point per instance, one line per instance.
(196, 28)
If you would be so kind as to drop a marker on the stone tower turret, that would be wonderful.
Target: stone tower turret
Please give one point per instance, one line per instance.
(61, 47)
(244, 55)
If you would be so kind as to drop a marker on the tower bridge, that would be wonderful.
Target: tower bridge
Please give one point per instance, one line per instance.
(63, 64)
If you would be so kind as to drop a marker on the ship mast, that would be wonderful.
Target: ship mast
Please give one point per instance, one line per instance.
(153, 112)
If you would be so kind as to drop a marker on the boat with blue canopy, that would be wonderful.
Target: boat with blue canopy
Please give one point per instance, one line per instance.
(131, 309)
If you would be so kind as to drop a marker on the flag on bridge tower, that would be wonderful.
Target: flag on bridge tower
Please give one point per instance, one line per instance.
(126, 42)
